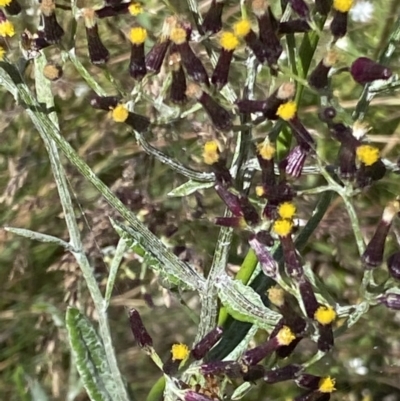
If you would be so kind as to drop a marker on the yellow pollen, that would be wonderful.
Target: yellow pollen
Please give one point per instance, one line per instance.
(260, 190)
(367, 154)
(178, 36)
(342, 5)
(2, 53)
(179, 352)
(287, 111)
(138, 35)
(135, 9)
(327, 385)
(286, 210)
(266, 150)
(210, 152)
(285, 336)
(4, 3)
(242, 28)
(277, 296)
(7, 29)
(325, 315)
(283, 227)
(120, 113)
(229, 41)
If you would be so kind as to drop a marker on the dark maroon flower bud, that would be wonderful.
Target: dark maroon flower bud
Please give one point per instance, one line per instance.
(212, 22)
(31, 44)
(106, 103)
(156, 55)
(347, 162)
(251, 106)
(231, 200)
(267, 26)
(339, 24)
(228, 42)
(137, 64)
(177, 91)
(13, 7)
(366, 175)
(139, 331)
(318, 78)
(232, 369)
(321, 387)
(393, 264)
(325, 338)
(268, 264)
(52, 30)
(205, 344)
(113, 11)
(323, 6)
(293, 26)
(193, 396)
(250, 213)
(300, 7)
(194, 67)
(308, 381)
(373, 254)
(293, 163)
(254, 373)
(327, 114)
(220, 117)
(265, 155)
(308, 297)
(242, 29)
(97, 51)
(265, 238)
(364, 70)
(288, 372)
(253, 356)
(391, 300)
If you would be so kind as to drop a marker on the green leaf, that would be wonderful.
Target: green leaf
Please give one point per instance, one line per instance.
(189, 187)
(90, 357)
(244, 304)
(170, 268)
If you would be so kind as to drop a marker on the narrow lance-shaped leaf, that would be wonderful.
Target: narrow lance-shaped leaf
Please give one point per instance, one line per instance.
(189, 187)
(244, 304)
(175, 271)
(90, 357)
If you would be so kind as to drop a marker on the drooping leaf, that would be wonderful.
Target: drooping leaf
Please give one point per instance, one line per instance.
(171, 269)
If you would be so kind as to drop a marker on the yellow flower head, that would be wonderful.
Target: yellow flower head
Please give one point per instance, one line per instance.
(260, 190)
(178, 35)
(285, 336)
(179, 352)
(325, 315)
(120, 113)
(2, 53)
(276, 295)
(286, 210)
(210, 152)
(4, 3)
(7, 28)
(367, 154)
(242, 28)
(135, 9)
(287, 111)
(138, 35)
(266, 150)
(282, 227)
(327, 385)
(342, 6)
(229, 41)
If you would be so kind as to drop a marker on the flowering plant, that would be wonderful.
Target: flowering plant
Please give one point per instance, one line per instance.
(243, 73)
